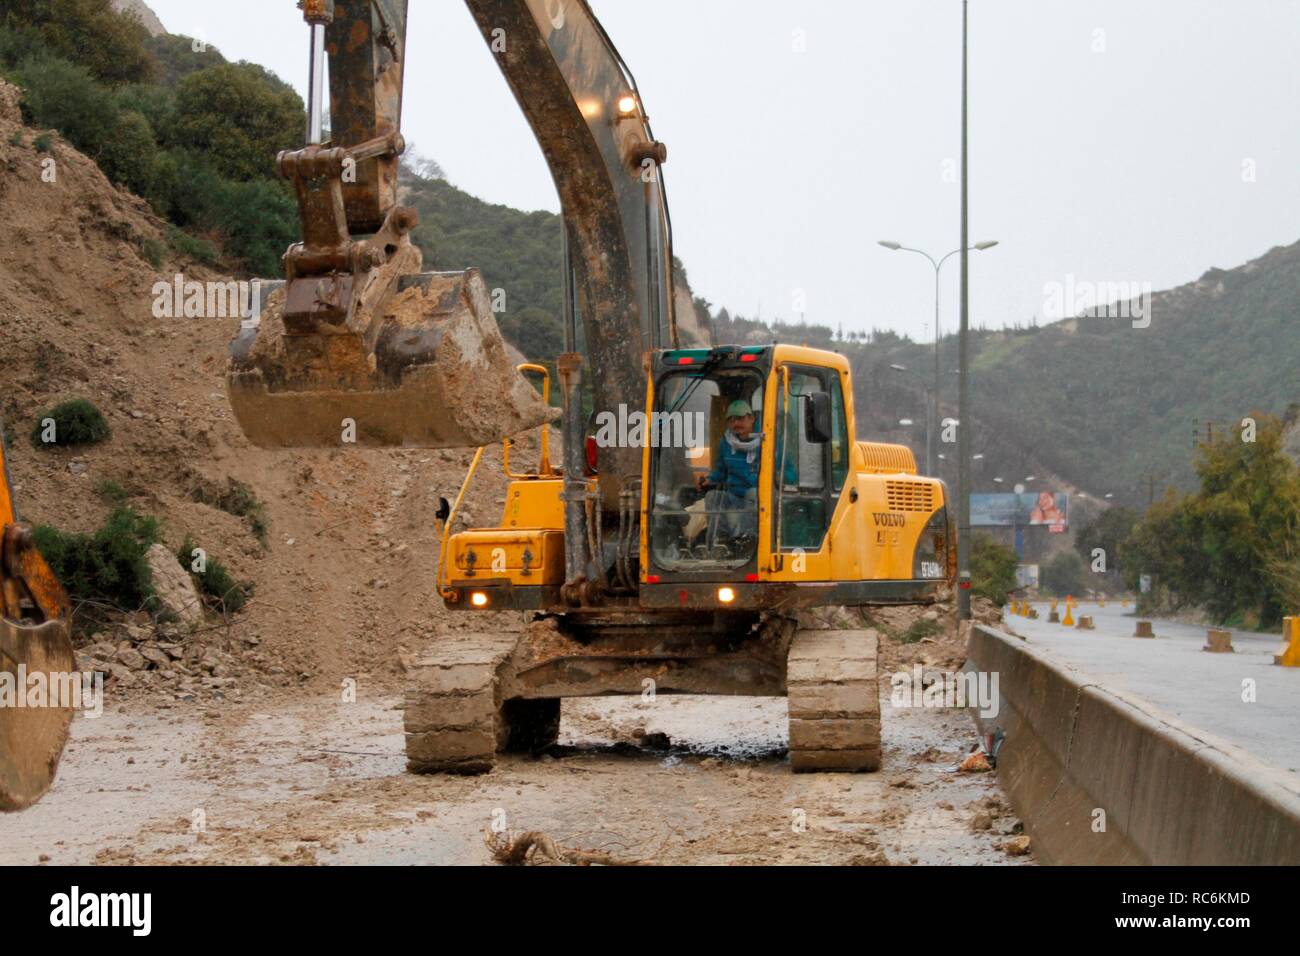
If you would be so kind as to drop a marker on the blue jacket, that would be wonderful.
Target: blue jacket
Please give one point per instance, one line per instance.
(732, 469)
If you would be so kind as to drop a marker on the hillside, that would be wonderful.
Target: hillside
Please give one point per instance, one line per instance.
(519, 252)
(343, 583)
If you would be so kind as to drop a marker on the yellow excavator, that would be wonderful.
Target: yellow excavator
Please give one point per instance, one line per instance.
(655, 555)
(711, 493)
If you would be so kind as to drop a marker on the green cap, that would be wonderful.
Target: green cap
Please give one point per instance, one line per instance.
(739, 409)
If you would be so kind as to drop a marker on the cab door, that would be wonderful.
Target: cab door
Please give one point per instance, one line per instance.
(809, 468)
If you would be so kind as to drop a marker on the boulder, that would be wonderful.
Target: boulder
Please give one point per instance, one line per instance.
(174, 587)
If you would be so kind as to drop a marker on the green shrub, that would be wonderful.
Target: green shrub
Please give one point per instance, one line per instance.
(993, 568)
(112, 491)
(76, 422)
(107, 568)
(191, 247)
(237, 499)
(128, 156)
(153, 251)
(919, 629)
(256, 220)
(225, 594)
(43, 143)
(17, 139)
(239, 116)
(154, 103)
(66, 97)
(111, 45)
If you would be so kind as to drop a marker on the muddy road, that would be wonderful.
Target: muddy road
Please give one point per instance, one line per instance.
(696, 780)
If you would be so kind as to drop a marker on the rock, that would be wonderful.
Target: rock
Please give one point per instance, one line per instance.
(131, 659)
(982, 821)
(155, 656)
(121, 674)
(1019, 846)
(174, 587)
(78, 466)
(10, 98)
(102, 650)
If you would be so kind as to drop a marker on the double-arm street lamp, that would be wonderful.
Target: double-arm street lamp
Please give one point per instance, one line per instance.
(932, 413)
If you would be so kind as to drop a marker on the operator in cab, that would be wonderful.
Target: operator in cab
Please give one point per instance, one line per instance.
(735, 472)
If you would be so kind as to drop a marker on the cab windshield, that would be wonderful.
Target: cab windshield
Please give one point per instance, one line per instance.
(707, 449)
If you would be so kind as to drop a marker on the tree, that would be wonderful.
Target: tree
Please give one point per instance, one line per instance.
(91, 33)
(1234, 544)
(239, 117)
(177, 58)
(1065, 573)
(65, 96)
(993, 568)
(1106, 532)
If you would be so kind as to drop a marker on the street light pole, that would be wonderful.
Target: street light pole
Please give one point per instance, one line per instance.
(963, 396)
(932, 412)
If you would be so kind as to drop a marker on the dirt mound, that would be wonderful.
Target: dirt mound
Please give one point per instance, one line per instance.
(345, 575)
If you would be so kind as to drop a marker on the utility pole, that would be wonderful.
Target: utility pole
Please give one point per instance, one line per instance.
(963, 401)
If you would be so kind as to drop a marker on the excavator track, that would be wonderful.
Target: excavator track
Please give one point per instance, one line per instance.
(834, 700)
(456, 718)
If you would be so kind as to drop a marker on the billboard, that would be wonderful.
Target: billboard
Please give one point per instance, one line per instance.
(1017, 511)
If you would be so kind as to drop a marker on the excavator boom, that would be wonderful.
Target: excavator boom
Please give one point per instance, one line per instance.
(356, 333)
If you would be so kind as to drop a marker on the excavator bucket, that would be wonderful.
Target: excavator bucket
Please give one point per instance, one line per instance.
(437, 374)
(39, 682)
(37, 664)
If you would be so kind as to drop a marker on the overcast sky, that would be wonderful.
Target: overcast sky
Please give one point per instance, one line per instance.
(1111, 140)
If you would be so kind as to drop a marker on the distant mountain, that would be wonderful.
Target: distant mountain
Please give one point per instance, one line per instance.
(148, 19)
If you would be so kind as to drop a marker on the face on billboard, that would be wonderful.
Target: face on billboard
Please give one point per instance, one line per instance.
(1010, 510)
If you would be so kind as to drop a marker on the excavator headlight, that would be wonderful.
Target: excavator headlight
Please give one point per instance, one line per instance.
(478, 599)
(627, 105)
(726, 595)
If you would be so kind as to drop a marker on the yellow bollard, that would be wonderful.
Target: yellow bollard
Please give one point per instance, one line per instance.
(1288, 654)
(1068, 620)
(1101, 601)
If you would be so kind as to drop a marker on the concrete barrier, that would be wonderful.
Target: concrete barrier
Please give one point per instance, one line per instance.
(1078, 756)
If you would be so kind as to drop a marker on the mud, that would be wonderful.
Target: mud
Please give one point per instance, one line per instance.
(699, 780)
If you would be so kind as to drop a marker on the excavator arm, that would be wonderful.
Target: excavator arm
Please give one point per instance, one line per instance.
(357, 345)
(35, 645)
(357, 333)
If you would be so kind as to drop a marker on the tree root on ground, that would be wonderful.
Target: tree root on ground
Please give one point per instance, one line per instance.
(537, 849)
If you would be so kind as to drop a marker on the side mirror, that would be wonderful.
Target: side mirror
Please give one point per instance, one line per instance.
(817, 417)
(444, 510)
